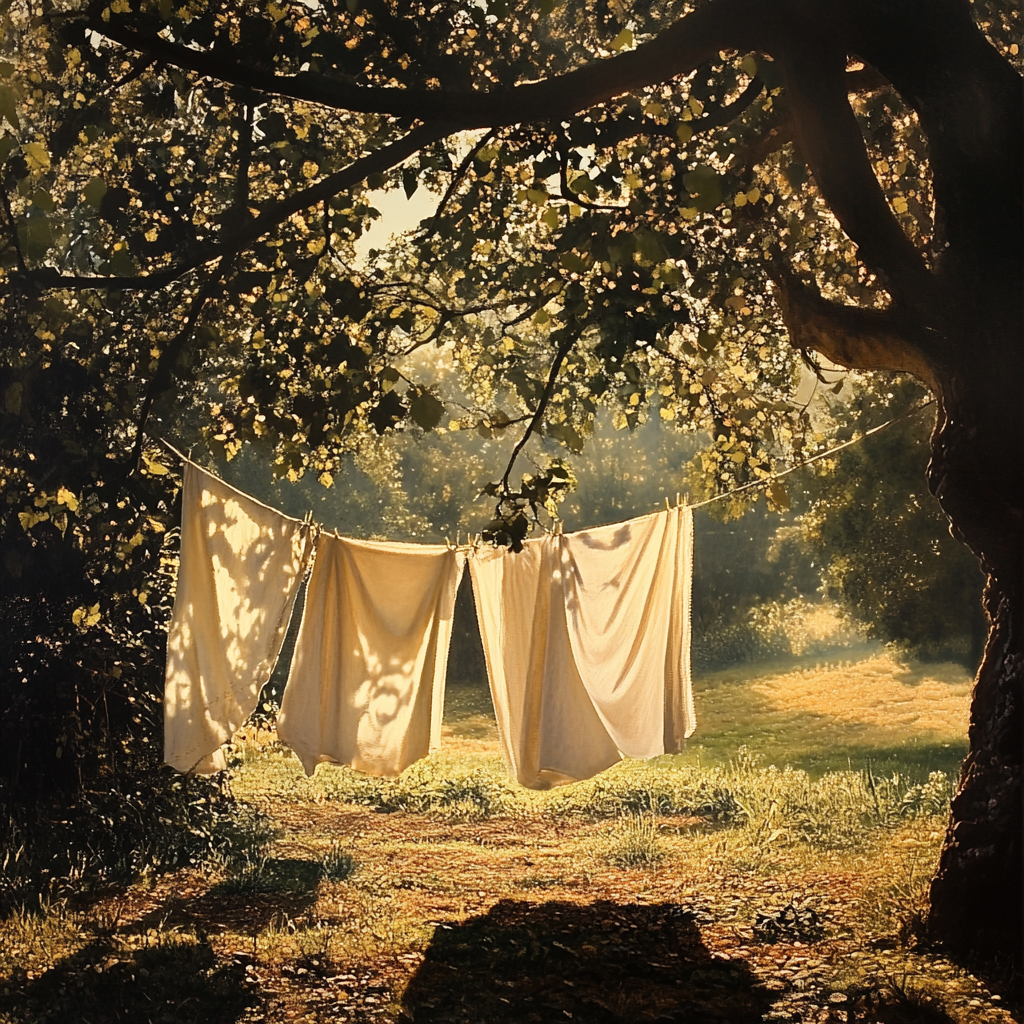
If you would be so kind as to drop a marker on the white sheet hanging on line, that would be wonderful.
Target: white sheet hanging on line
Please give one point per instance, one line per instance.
(366, 686)
(587, 643)
(238, 575)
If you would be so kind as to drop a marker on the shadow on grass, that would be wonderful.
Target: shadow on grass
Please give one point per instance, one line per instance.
(604, 963)
(914, 758)
(247, 901)
(176, 982)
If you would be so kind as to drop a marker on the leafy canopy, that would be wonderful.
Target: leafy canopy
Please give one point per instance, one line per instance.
(618, 256)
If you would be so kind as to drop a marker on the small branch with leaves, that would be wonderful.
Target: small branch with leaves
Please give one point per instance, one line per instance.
(516, 511)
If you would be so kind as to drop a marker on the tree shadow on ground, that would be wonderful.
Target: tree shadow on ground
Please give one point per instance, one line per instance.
(246, 902)
(604, 963)
(176, 982)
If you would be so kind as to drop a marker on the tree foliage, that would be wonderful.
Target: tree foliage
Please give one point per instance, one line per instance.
(882, 542)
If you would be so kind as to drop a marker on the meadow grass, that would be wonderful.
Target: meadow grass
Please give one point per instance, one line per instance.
(866, 710)
(787, 860)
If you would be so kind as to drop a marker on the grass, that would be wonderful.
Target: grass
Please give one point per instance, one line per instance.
(766, 873)
(863, 711)
(636, 843)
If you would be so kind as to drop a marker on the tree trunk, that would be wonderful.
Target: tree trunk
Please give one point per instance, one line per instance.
(977, 895)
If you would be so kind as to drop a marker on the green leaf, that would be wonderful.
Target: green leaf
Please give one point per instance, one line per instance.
(796, 175)
(707, 341)
(8, 107)
(30, 518)
(624, 38)
(37, 156)
(42, 200)
(94, 191)
(67, 498)
(567, 434)
(35, 236)
(387, 412)
(572, 262)
(122, 263)
(649, 246)
(705, 184)
(426, 410)
(84, 617)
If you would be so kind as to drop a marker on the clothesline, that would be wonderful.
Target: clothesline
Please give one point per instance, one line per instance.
(586, 640)
(768, 480)
(764, 482)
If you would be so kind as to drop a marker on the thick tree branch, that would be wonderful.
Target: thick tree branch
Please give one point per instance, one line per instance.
(678, 50)
(811, 51)
(833, 146)
(851, 336)
(239, 239)
(970, 102)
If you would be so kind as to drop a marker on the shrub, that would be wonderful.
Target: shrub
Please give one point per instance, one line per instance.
(645, 788)
(446, 789)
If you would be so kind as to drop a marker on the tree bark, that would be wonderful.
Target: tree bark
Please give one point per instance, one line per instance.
(977, 895)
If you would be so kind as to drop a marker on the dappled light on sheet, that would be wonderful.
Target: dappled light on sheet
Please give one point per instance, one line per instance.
(587, 646)
(366, 687)
(238, 576)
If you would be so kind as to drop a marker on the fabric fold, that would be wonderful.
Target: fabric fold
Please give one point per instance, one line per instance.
(239, 572)
(586, 638)
(366, 686)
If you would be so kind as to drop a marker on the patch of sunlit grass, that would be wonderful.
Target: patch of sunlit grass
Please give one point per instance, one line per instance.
(879, 693)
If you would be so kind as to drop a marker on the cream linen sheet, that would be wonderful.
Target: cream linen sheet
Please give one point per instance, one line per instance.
(366, 686)
(586, 638)
(238, 575)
